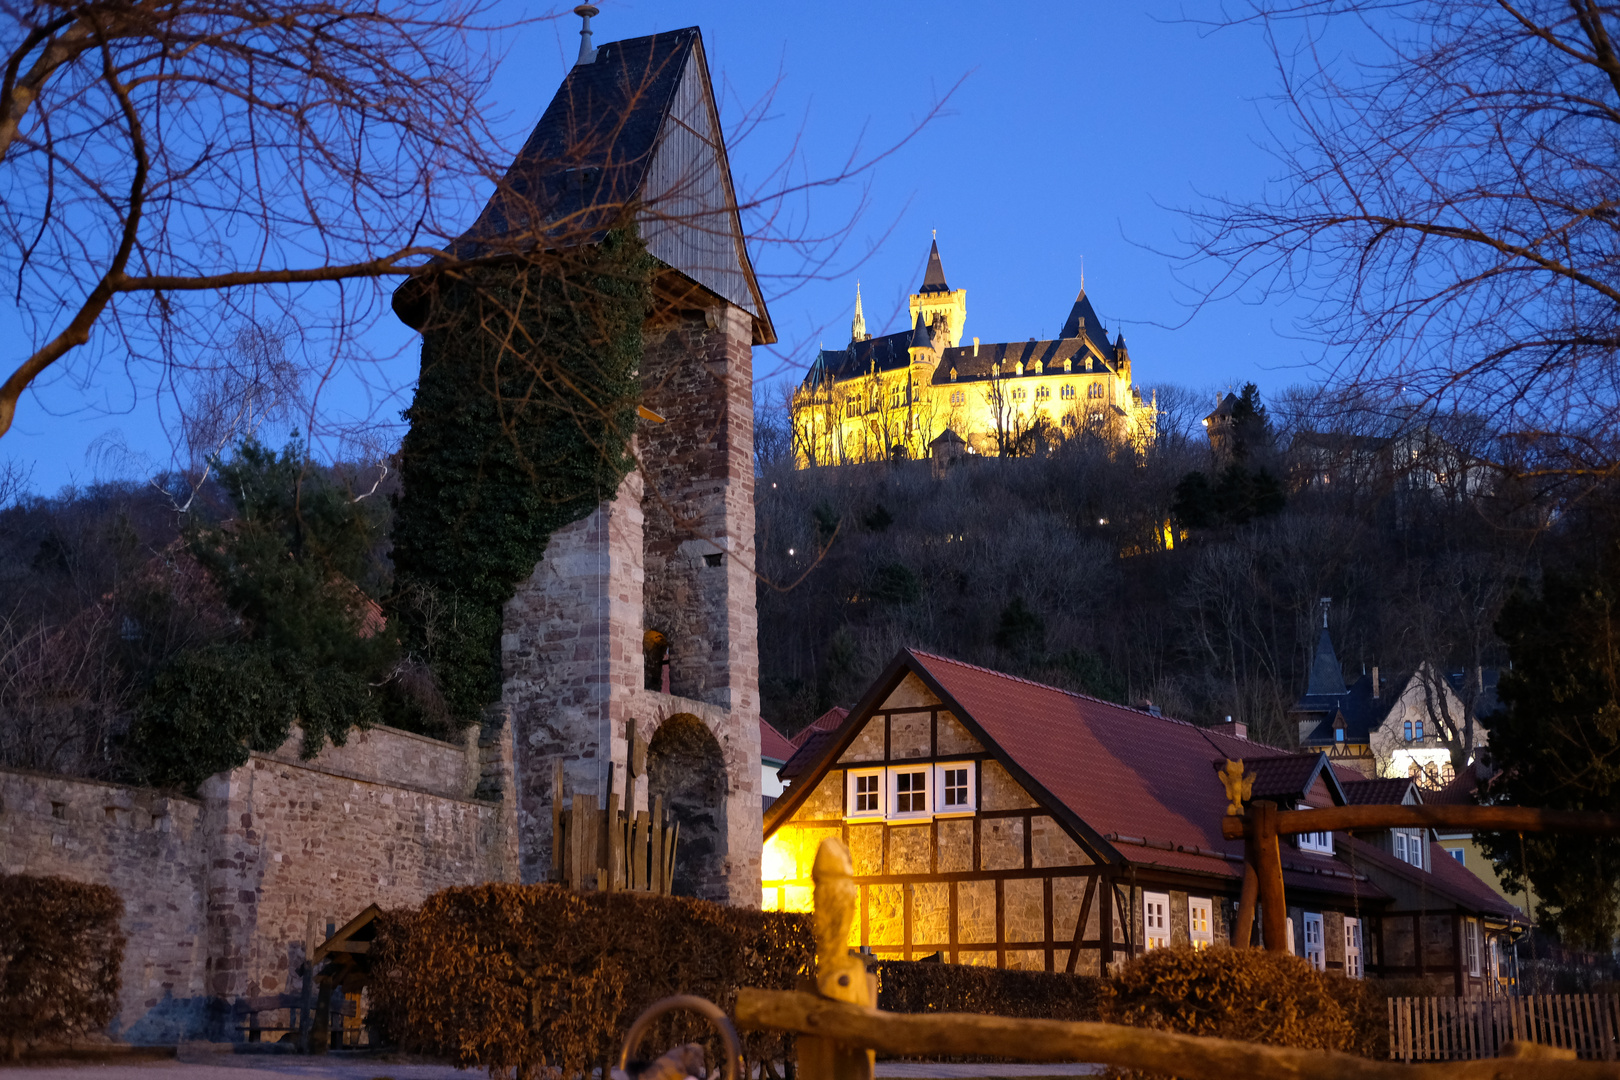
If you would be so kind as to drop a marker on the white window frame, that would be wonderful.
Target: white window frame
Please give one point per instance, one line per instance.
(1415, 845)
(892, 789)
(1354, 968)
(1315, 944)
(1319, 842)
(1200, 922)
(1155, 920)
(972, 804)
(850, 803)
(1400, 847)
(1471, 945)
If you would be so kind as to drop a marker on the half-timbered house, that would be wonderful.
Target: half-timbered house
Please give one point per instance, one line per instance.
(992, 820)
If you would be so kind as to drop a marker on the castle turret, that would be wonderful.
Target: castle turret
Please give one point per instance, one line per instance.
(857, 330)
(1122, 357)
(942, 308)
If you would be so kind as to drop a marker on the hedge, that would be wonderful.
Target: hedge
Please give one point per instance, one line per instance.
(522, 977)
(60, 955)
(1250, 995)
(525, 978)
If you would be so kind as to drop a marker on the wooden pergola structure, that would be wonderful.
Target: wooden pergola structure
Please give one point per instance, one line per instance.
(1261, 825)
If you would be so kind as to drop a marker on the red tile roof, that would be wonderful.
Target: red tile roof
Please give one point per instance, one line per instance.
(1449, 880)
(773, 745)
(1386, 791)
(1143, 782)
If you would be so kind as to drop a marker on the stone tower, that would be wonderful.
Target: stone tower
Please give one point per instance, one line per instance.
(639, 622)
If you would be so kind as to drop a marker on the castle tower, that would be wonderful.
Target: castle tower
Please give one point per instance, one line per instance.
(857, 330)
(944, 310)
(670, 557)
(924, 354)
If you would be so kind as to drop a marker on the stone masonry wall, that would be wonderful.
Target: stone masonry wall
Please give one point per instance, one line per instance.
(572, 641)
(150, 848)
(217, 891)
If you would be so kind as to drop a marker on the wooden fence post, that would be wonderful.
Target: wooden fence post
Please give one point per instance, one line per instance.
(1268, 868)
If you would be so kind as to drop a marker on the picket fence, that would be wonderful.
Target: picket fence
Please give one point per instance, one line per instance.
(1465, 1029)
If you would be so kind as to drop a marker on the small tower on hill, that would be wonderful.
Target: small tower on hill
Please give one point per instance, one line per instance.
(943, 309)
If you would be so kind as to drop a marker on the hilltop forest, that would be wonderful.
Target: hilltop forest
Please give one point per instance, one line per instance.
(1177, 577)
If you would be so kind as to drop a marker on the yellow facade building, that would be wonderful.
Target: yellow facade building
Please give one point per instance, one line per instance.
(893, 396)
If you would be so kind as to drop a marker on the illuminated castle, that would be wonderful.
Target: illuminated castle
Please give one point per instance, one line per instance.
(901, 394)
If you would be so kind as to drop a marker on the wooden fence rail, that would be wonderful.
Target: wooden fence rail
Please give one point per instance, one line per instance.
(1469, 1029)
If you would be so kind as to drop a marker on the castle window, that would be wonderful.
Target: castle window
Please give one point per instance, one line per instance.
(1043, 393)
(1039, 367)
(1020, 367)
(1095, 390)
(1068, 363)
(1068, 389)
(1020, 394)
(958, 397)
(1408, 731)
(953, 374)
(1417, 729)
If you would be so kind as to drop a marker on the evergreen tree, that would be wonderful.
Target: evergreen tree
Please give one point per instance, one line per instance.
(1557, 742)
(310, 648)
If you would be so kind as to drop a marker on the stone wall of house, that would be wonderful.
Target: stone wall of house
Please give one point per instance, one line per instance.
(672, 552)
(218, 890)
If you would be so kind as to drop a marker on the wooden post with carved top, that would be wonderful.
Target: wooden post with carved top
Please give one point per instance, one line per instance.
(839, 975)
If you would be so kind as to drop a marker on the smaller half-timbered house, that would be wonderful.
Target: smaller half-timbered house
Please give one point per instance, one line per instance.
(992, 820)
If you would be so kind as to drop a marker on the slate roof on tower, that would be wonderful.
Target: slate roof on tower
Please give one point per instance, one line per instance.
(636, 124)
(1083, 321)
(934, 276)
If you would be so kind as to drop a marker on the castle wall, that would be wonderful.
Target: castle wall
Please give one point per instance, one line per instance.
(218, 890)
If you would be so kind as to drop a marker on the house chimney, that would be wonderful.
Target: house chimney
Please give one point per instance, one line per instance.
(1239, 730)
(975, 346)
(1375, 680)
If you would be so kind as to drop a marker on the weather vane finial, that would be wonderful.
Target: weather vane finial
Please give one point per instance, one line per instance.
(587, 52)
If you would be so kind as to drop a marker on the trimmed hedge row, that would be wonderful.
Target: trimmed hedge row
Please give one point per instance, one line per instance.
(910, 986)
(1250, 995)
(520, 978)
(515, 977)
(60, 955)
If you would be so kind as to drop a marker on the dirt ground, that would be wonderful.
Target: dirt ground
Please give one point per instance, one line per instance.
(225, 1066)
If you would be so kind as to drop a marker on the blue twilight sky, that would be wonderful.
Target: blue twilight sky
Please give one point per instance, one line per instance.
(1078, 130)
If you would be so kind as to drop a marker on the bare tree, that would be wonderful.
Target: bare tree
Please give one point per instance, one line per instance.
(176, 172)
(1451, 206)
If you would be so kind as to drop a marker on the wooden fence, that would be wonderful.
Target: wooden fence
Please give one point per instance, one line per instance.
(609, 849)
(1467, 1029)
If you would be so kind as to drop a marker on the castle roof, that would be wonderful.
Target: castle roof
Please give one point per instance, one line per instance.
(891, 352)
(1083, 321)
(1326, 677)
(980, 364)
(934, 276)
(921, 336)
(636, 125)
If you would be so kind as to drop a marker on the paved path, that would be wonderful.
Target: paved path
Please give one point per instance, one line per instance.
(277, 1067)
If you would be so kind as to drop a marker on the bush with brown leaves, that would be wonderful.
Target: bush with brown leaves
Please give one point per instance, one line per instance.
(60, 955)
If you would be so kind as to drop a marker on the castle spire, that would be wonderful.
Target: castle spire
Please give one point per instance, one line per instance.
(857, 330)
(934, 277)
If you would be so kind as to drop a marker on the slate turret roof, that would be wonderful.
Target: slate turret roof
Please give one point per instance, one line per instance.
(934, 276)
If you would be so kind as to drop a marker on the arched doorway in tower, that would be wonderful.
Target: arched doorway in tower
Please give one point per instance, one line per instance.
(685, 765)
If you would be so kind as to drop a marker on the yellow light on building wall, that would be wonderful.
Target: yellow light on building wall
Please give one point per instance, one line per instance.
(777, 862)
